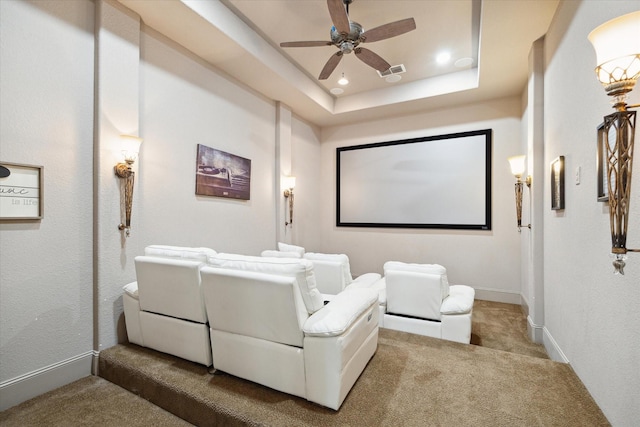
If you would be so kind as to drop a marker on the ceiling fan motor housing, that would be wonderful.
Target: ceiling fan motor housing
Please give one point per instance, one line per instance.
(347, 43)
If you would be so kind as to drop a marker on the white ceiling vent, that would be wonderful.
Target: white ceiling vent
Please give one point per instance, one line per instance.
(395, 69)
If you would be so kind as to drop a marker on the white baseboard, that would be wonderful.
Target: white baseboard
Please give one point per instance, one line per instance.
(553, 349)
(535, 332)
(25, 387)
(498, 296)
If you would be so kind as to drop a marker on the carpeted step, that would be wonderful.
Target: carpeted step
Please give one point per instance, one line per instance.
(173, 384)
(411, 380)
(89, 401)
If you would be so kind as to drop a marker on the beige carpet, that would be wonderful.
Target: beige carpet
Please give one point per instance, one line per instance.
(411, 380)
(91, 401)
(503, 327)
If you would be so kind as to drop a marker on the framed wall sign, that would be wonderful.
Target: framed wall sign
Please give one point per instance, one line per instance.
(441, 181)
(557, 183)
(222, 174)
(21, 191)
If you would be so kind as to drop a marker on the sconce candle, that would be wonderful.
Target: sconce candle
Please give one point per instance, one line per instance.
(517, 164)
(617, 46)
(289, 183)
(130, 146)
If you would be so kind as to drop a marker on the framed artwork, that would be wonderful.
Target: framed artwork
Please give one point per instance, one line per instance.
(557, 183)
(441, 181)
(222, 174)
(21, 191)
(602, 162)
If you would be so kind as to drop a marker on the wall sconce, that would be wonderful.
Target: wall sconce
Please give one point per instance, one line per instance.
(130, 145)
(289, 183)
(617, 46)
(517, 169)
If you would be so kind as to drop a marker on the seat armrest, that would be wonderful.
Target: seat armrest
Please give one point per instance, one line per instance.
(131, 289)
(366, 280)
(338, 315)
(380, 286)
(459, 301)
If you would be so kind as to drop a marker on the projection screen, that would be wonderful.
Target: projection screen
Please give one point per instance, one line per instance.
(439, 181)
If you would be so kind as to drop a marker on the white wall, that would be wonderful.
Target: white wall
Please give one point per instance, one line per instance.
(591, 315)
(306, 154)
(46, 101)
(487, 260)
(184, 103)
(117, 89)
(62, 277)
(533, 201)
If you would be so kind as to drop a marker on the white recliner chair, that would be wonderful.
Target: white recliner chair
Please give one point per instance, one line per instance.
(269, 325)
(420, 300)
(332, 271)
(164, 309)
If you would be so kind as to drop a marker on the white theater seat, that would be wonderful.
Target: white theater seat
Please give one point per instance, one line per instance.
(164, 309)
(332, 271)
(269, 325)
(420, 300)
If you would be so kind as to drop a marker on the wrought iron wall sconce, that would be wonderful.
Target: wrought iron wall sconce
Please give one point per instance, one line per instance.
(130, 145)
(617, 46)
(289, 183)
(517, 169)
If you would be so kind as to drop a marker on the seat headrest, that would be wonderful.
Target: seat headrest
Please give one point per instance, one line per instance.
(164, 251)
(285, 247)
(341, 259)
(435, 269)
(280, 254)
(301, 269)
(416, 268)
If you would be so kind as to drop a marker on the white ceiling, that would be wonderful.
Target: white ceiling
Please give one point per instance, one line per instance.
(242, 37)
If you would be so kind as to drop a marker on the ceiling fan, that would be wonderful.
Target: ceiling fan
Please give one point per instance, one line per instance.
(347, 35)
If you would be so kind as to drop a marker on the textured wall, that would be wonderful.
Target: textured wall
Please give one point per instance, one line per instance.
(184, 103)
(46, 100)
(306, 154)
(591, 314)
(117, 105)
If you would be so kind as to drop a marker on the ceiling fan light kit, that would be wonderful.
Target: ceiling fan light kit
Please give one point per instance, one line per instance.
(347, 35)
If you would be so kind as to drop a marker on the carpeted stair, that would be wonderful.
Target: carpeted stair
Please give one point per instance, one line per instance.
(411, 381)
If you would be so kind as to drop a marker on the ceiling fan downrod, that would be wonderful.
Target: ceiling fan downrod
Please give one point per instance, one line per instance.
(346, 4)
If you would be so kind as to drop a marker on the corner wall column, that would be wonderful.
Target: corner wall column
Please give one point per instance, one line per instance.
(116, 112)
(535, 155)
(284, 168)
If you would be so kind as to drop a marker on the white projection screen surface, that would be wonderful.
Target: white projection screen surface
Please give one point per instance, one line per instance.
(431, 182)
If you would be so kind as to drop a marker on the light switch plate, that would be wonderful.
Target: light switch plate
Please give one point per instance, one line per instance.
(578, 172)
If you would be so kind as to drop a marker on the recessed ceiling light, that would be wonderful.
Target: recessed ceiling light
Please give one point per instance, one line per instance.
(337, 91)
(463, 62)
(443, 57)
(393, 78)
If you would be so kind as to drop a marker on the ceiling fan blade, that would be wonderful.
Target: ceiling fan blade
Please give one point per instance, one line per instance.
(305, 44)
(339, 16)
(389, 30)
(371, 59)
(331, 65)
